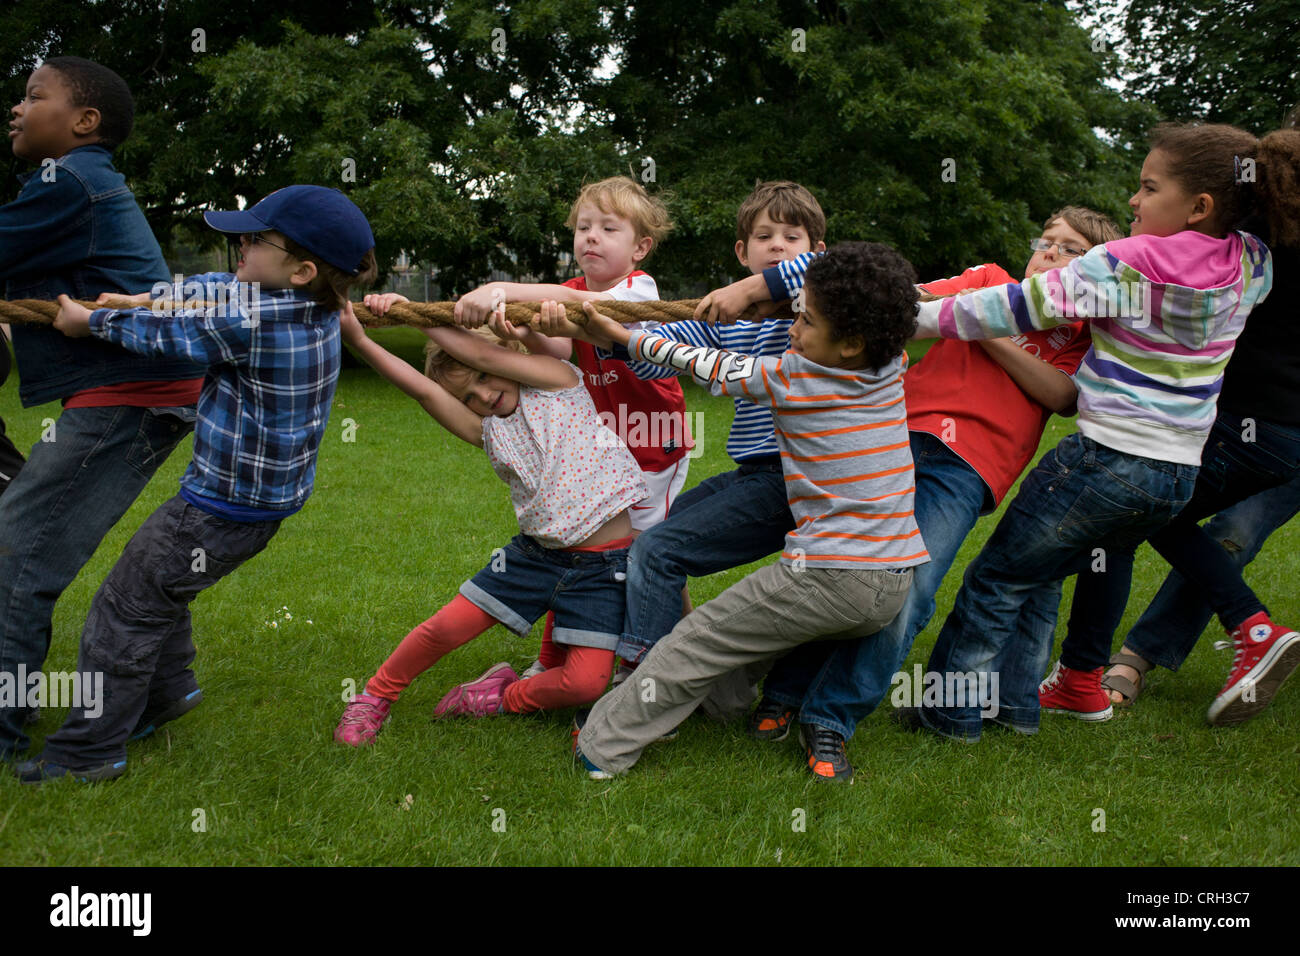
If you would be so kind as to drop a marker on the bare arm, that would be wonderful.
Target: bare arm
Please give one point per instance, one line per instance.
(539, 371)
(537, 343)
(1040, 380)
(433, 398)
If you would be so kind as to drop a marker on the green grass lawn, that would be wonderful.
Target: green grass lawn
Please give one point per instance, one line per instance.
(399, 518)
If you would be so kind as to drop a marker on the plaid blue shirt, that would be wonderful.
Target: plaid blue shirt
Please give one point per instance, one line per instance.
(273, 362)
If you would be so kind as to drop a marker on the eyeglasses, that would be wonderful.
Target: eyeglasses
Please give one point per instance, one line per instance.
(1068, 252)
(255, 237)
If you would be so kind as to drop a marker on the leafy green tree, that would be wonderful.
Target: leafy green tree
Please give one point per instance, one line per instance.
(160, 50)
(864, 102)
(1223, 61)
(465, 128)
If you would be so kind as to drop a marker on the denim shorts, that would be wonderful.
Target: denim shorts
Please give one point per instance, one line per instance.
(585, 589)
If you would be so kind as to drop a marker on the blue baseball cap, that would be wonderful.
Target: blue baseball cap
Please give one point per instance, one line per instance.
(323, 221)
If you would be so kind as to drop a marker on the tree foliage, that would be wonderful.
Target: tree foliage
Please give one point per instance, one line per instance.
(469, 126)
(1223, 61)
(863, 101)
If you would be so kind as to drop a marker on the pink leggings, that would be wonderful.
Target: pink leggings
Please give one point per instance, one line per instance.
(582, 678)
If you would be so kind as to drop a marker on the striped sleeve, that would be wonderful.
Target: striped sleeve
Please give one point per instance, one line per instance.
(785, 279)
(1042, 301)
(737, 375)
(690, 332)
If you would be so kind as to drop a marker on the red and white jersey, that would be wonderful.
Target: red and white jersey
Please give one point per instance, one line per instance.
(967, 400)
(650, 416)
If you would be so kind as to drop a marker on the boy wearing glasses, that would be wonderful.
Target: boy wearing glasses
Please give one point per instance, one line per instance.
(271, 347)
(976, 414)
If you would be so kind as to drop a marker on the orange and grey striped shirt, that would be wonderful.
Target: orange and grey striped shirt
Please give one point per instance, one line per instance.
(844, 449)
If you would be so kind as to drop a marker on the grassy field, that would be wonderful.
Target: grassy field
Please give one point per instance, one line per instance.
(404, 513)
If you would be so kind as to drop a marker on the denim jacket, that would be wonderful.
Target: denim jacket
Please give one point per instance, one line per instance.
(81, 234)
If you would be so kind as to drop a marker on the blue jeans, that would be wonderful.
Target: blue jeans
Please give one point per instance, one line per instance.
(1082, 496)
(138, 636)
(723, 522)
(72, 490)
(1232, 469)
(838, 683)
(1166, 633)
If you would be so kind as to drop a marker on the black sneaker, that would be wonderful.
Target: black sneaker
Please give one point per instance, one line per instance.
(825, 751)
(155, 717)
(39, 771)
(770, 721)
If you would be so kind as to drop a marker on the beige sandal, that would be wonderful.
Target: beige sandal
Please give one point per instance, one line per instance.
(1122, 685)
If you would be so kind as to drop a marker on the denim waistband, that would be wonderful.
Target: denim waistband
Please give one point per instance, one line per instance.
(765, 463)
(567, 559)
(1100, 451)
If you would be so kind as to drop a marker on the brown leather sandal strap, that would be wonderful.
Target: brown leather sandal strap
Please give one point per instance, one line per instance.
(1121, 685)
(1131, 660)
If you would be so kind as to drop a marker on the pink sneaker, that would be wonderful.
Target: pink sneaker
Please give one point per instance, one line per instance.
(1077, 693)
(478, 698)
(1266, 655)
(361, 720)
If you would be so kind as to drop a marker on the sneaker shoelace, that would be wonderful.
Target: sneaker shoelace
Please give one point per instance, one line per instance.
(359, 712)
(476, 699)
(827, 740)
(1238, 654)
(774, 712)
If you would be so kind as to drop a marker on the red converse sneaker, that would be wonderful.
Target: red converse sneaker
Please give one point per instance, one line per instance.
(1266, 655)
(1077, 693)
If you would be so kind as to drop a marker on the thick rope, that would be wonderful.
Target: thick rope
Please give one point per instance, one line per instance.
(425, 314)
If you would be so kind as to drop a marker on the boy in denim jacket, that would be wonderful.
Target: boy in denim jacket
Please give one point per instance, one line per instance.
(76, 229)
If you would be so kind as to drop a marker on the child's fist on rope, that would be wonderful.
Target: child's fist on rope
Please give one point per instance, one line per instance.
(601, 330)
(553, 321)
(72, 320)
(505, 330)
(380, 303)
(475, 308)
(724, 306)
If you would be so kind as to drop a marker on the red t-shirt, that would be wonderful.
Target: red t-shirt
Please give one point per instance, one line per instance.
(967, 400)
(650, 416)
(139, 394)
